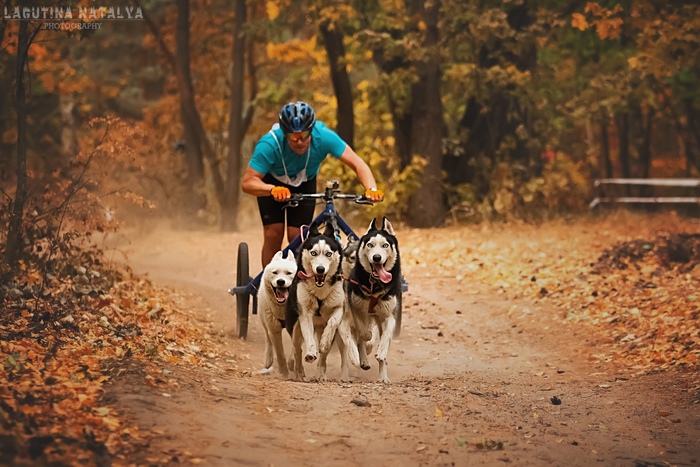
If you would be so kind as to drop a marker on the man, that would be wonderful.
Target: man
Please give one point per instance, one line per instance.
(286, 160)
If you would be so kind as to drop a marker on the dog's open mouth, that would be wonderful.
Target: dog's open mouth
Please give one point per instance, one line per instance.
(320, 279)
(380, 273)
(281, 294)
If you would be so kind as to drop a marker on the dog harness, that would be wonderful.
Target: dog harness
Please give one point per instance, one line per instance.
(373, 296)
(303, 276)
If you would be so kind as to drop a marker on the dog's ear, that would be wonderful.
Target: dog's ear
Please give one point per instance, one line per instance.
(313, 231)
(290, 255)
(372, 225)
(388, 227)
(329, 231)
(278, 255)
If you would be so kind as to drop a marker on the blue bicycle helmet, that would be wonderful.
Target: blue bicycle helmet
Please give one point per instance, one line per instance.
(296, 117)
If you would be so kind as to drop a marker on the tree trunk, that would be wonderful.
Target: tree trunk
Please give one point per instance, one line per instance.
(605, 146)
(229, 208)
(622, 123)
(645, 149)
(402, 132)
(4, 148)
(427, 205)
(191, 117)
(69, 140)
(14, 235)
(193, 149)
(693, 129)
(333, 41)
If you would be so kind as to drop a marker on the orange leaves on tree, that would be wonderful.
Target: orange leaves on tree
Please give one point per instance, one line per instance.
(579, 21)
(605, 21)
(272, 9)
(293, 51)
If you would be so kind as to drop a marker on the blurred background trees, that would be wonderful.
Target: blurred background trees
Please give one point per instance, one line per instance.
(465, 110)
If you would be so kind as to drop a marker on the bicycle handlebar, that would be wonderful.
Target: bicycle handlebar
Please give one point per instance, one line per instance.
(332, 192)
(293, 201)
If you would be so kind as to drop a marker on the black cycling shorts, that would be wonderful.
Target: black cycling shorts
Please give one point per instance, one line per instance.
(271, 211)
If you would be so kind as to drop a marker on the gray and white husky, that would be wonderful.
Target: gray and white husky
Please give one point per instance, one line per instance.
(276, 280)
(374, 290)
(316, 304)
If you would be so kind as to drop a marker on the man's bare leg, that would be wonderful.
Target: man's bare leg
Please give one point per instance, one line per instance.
(273, 235)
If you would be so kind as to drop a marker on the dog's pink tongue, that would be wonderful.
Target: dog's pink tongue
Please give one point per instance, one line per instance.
(282, 294)
(303, 276)
(384, 275)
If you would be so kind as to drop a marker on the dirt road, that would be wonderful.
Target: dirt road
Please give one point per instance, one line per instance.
(476, 380)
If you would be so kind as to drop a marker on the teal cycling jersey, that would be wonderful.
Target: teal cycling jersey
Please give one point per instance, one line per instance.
(267, 157)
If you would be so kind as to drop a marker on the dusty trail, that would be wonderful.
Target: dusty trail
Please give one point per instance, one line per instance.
(473, 380)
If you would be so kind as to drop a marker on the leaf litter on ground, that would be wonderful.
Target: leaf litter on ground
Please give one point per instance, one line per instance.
(59, 350)
(631, 279)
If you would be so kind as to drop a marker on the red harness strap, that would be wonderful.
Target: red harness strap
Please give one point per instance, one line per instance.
(373, 299)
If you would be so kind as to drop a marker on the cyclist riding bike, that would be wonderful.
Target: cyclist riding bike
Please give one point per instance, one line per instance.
(286, 160)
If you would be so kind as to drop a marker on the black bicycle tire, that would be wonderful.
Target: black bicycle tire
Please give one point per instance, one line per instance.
(242, 299)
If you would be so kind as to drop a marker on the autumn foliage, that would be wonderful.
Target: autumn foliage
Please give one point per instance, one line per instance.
(494, 111)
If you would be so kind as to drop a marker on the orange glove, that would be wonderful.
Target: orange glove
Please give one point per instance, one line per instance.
(280, 193)
(374, 194)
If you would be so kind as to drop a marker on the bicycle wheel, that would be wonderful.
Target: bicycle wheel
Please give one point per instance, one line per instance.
(242, 299)
(399, 305)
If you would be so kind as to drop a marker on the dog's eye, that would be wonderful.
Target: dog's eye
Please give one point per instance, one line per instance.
(370, 245)
(386, 245)
(329, 254)
(313, 253)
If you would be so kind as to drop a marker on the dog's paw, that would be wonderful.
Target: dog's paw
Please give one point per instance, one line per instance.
(310, 357)
(382, 352)
(384, 380)
(353, 356)
(325, 345)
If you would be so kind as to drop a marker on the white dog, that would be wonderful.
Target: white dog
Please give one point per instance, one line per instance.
(272, 298)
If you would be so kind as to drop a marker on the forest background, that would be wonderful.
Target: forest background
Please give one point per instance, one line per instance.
(467, 110)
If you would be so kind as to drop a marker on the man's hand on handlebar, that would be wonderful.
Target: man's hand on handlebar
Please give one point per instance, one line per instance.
(374, 195)
(281, 193)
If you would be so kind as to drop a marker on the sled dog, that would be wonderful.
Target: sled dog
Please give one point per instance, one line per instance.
(374, 290)
(272, 298)
(316, 303)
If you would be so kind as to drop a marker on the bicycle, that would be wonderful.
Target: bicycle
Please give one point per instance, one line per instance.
(247, 287)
